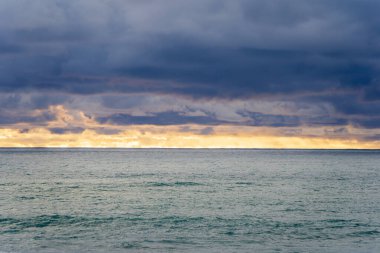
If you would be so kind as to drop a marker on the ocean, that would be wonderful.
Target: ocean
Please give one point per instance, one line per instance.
(189, 200)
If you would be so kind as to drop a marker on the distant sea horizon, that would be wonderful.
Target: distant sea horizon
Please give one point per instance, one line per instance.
(205, 148)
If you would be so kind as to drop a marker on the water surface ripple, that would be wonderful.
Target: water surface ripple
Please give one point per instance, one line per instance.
(174, 200)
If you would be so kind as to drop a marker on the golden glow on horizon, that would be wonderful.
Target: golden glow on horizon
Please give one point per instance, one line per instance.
(173, 136)
(141, 138)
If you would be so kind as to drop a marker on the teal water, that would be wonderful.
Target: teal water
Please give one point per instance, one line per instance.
(171, 200)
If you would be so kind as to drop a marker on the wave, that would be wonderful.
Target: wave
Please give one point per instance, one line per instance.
(172, 184)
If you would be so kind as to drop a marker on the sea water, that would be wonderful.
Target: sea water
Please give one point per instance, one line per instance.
(189, 200)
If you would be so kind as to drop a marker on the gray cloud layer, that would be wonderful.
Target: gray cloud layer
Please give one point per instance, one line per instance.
(313, 52)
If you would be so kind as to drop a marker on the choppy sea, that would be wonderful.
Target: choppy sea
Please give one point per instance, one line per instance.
(189, 200)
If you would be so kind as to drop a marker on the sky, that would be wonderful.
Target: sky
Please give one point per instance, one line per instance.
(196, 74)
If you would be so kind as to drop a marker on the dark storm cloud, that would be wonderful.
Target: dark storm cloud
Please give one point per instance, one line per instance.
(199, 49)
(244, 72)
(260, 119)
(161, 118)
(6, 48)
(274, 49)
(272, 120)
(372, 94)
(60, 130)
(9, 119)
(370, 123)
(247, 119)
(31, 101)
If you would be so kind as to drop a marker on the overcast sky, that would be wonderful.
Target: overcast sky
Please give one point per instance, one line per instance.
(284, 68)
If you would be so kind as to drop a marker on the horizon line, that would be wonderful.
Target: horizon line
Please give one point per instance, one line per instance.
(200, 148)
